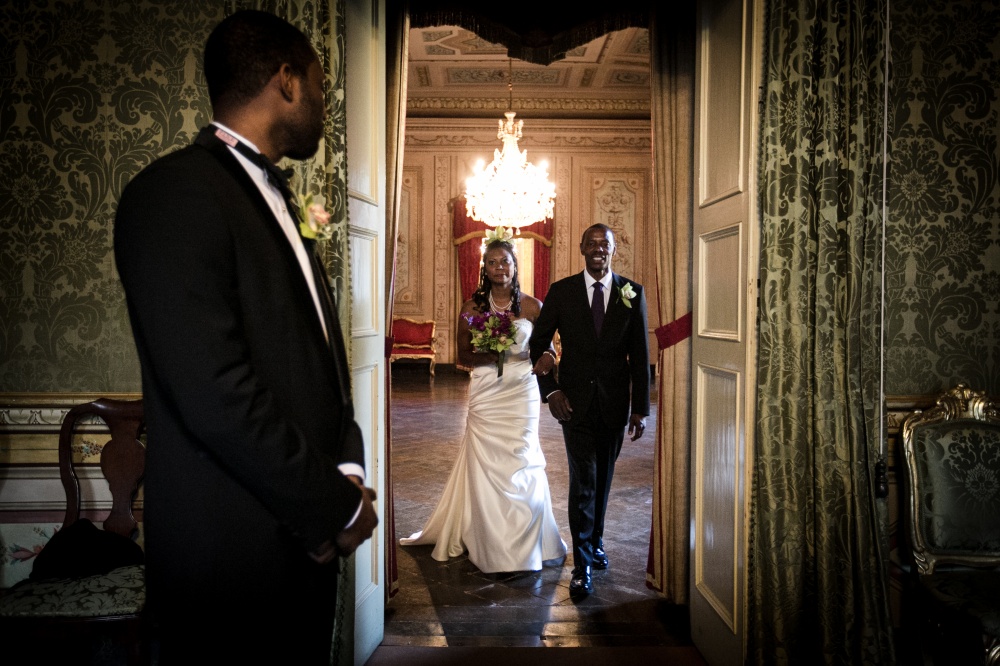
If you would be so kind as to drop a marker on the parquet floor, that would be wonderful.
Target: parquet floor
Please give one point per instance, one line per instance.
(453, 604)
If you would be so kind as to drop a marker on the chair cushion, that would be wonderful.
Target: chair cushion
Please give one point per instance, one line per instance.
(408, 333)
(959, 474)
(118, 592)
(970, 593)
(398, 350)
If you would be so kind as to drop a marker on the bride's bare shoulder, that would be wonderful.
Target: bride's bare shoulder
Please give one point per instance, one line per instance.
(530, 307)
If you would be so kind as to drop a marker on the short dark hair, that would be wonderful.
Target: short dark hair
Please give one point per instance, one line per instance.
(603, 227)
(246, 49)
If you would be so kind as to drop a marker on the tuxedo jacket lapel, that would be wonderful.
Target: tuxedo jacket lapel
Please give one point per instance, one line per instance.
(336, 340)
(272, 227)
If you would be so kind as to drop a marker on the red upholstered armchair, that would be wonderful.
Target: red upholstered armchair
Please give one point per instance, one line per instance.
(413, 339)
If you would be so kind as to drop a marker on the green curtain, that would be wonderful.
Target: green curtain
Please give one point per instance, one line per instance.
(818, 577)
(90, 93)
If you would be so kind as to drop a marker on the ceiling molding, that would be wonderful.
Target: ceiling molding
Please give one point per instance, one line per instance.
(482, 107)
(452, 72)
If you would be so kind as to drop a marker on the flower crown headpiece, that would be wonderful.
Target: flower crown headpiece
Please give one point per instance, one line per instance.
(499, 234)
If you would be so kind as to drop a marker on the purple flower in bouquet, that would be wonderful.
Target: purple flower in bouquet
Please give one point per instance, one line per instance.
(492, 331)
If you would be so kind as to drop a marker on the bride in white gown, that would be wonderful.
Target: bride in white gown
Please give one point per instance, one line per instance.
(496, 504)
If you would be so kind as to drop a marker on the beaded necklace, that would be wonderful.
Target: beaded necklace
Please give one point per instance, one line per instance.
(497, 308)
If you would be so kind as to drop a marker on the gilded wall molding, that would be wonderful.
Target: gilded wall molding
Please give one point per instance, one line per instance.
(615, 202)
(623, 136)
(564, 246)
(408, 249)
(442, 242)
(630, 108)
(582, 142)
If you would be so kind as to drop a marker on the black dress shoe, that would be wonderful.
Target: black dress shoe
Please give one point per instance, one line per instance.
(600, 559)
(581, 584)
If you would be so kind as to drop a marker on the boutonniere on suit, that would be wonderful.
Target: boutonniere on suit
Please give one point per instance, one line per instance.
(314, 220)
(626, 293)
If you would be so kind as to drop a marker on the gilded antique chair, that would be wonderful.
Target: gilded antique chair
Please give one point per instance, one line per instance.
(952, 458)
(413, 339)
(87, 585)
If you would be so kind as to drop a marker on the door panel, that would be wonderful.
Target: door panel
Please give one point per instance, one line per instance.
(725, 237)
(365, 101)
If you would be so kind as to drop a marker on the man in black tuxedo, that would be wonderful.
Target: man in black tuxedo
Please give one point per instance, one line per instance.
(604, 368)
(255, 464)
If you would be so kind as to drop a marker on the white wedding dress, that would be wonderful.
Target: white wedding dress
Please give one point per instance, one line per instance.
(496, 504)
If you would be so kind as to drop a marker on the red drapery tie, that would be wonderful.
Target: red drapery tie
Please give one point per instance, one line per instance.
(670, 334)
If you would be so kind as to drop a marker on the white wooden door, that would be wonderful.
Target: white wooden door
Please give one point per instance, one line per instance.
(365, 99)
(724, 336)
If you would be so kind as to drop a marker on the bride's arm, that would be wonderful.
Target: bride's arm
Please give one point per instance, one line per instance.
(467, 355)
(531, 307)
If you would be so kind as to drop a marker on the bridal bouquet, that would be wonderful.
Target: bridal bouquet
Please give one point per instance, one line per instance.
(492, 331)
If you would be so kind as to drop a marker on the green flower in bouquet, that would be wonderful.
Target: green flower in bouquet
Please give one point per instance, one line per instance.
(492, 332)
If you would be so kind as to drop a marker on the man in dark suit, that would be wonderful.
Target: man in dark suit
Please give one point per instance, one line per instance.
(604, 369)
(255, 473)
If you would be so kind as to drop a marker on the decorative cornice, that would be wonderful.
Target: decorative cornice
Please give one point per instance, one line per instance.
(565, 106)
(595, 142)
(435, 134)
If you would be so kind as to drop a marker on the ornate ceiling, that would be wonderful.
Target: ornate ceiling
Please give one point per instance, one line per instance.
(454, 73)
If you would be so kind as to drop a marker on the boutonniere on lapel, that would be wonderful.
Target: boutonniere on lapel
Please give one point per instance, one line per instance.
(627, 293)
(314, 221)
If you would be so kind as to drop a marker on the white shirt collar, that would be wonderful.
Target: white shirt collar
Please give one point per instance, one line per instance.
(237, 135)
(589, 281)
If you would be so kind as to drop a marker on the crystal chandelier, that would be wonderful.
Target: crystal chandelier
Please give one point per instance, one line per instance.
(511, 191)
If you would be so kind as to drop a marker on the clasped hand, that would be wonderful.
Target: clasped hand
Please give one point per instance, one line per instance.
(351, 537)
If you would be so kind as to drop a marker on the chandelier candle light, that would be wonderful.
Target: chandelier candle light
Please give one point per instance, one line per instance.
(511, 191)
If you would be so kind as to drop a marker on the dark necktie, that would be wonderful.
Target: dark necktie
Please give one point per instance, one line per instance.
(597, 306)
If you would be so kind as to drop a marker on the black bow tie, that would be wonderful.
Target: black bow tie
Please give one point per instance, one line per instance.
(278, 177)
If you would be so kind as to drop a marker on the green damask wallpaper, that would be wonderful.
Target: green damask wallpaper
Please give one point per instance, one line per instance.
(942, 259)
(91, 91)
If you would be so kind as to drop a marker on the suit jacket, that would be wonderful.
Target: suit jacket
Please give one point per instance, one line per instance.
(613, 368)
(248, 410)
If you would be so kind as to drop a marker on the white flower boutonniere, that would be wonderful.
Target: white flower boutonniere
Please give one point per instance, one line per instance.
(627, 293)
(314, 221)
